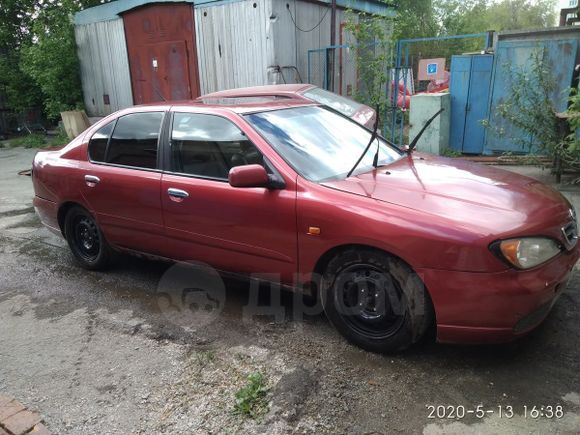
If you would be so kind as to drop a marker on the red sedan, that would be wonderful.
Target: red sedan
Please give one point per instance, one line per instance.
(402, 242)
(361, 113)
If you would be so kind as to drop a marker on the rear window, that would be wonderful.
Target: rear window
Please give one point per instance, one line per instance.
(341, 104)
(135, 140)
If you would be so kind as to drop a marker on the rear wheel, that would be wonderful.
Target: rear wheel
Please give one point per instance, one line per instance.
(85, 239)
(375, 300)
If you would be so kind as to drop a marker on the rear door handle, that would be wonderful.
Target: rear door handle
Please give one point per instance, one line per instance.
(92, 180)
(177, 193)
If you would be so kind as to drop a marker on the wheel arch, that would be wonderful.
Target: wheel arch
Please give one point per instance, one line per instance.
(325, 258)
(62, 212)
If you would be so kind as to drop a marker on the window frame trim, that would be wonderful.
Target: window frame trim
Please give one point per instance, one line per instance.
(160, 144)
(169, 166)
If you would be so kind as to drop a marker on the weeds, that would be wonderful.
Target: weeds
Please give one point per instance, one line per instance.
(204, 358)
(251, 400)
(449, 152)
(30, 141)
(60, 139)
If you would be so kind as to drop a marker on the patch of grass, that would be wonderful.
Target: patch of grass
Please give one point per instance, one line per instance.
(251, 400)
(205, 357)
(30, 141)
(448, 152)
(60, 139)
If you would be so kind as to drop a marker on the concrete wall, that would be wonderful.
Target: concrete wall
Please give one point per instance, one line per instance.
(423, 107)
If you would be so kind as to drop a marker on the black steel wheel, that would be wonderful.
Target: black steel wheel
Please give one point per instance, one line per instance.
(85, 239)
(375, 300)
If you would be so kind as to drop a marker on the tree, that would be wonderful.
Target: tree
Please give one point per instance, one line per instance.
(474, 16)
(415, 19)
(521, 14)
(18, 88)
(39, 63)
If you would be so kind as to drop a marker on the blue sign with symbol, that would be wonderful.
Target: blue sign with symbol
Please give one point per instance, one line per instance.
(431, 68)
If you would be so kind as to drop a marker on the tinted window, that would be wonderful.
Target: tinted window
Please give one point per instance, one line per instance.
(134, 141)
(209, 146)
(98, 143)
(341, 104)
(319, 143)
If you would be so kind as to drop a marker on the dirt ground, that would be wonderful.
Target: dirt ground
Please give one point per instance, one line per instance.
(99, 352)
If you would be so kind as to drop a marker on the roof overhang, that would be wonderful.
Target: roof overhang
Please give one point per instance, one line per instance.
(112, 10)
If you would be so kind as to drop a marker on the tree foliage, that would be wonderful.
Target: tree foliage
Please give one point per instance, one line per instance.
(371, 52)
(421, 18)
(38, 62)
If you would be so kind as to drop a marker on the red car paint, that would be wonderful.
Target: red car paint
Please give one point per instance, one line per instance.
(437, 214)
(365, 115)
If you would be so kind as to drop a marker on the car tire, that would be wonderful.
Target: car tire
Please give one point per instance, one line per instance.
(375, 300)
(85, 239)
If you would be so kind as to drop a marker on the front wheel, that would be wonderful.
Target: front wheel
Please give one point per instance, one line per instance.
(375, 300)
(85, 239)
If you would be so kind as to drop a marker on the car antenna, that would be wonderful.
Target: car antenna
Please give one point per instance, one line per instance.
(413, 144)
(373, 137)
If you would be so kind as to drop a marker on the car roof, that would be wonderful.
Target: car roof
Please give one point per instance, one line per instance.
(222, 104)
(286, 89)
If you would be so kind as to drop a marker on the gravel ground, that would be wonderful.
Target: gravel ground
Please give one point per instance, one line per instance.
(104, 353)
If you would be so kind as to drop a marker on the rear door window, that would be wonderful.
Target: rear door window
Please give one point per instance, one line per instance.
(135, 140)
(99, 141)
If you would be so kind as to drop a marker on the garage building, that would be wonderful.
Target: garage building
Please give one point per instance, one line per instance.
(142, 51)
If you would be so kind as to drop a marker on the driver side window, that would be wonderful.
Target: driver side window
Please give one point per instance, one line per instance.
(209, 146)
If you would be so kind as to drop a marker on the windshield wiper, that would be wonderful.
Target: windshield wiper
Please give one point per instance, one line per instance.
(413, 144)
(373, 137)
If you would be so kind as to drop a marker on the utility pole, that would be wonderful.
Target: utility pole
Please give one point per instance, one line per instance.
(330, 52)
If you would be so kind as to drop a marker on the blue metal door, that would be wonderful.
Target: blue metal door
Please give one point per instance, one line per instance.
(469, 88)
(560, 55)
(477, 104)
(459, 90)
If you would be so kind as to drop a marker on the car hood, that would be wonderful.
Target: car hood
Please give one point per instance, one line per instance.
(478, 197)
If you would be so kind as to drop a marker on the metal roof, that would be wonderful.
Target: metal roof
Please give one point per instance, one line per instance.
(112, 10)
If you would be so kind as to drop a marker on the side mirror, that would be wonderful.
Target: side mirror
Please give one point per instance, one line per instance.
(248, 176)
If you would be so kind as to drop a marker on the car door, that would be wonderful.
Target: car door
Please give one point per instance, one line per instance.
(246, 230)
(122, 181)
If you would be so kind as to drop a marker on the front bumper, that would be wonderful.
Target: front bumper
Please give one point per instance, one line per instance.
(473, 307)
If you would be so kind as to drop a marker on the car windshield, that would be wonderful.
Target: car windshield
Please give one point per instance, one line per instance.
(319, 143)
(339, 103)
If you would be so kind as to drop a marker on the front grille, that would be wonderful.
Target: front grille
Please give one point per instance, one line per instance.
(570, 233)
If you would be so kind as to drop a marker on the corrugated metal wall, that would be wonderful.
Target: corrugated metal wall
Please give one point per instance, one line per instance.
(231, 59)
(104, 67)
(307, 15)
(271, 36)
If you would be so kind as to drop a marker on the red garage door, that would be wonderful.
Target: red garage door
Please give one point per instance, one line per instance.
(162, 52)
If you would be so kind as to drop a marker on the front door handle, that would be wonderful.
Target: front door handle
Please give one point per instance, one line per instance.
(92, 180)
(177, 194)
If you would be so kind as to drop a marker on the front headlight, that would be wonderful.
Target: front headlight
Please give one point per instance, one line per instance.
(526, 252)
